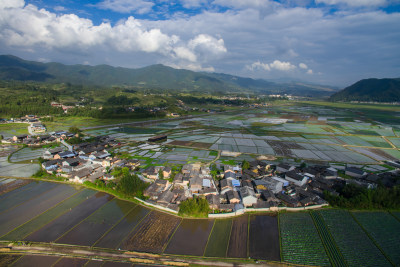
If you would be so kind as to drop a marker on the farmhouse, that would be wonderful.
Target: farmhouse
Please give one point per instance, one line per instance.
(354, 172)
(296, 178)
(248, 196)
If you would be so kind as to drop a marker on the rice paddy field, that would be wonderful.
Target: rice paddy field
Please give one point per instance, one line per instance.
(58, 213)
(315, 134)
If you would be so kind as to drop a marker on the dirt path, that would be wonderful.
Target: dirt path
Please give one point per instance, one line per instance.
(115, 255)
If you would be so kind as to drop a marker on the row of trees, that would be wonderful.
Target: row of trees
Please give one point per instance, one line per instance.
(356, 197)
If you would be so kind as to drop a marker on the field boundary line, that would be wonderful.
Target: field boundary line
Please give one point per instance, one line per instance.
(373, 240)
(53, 219)
(280, 239)
(322, 223)
(208, 239)
(248, 236)
(82, 221)
(397, 218)
(229, 239)
(54, 264)
(169, 240)
(109, 230)
(36, 196)
(59, 203)
(123, 239)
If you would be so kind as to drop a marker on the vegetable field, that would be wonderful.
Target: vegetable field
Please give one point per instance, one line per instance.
(353, 242)
(301, 243)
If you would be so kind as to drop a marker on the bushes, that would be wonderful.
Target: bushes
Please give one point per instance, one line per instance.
(355, 197)
(196, 207)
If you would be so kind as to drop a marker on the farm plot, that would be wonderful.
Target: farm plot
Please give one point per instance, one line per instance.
(56, 228)
(27, 154)
(218, 241)
(237, 247)
(31, 208)
(66, 261)
(92, 228)
(190, 237)
(8, 185)
(36, 260)
(152, 233)
(44, 218)
(19, 196)
(384, 229)
(350, 238)
(300, 241)
(264, 238)
(119, 232)
(284, 149)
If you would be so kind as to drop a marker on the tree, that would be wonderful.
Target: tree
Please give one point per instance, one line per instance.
(245, 165)
(160, 174)
(74, 129)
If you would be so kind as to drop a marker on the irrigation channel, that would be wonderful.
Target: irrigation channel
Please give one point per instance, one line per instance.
(65, 220)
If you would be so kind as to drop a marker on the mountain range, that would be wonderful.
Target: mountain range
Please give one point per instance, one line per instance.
(154, 76)
(370, 90)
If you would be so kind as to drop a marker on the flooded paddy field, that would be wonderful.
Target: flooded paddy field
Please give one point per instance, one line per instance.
(237, 247)
(59, 213)
(264, 238)
(190, 238)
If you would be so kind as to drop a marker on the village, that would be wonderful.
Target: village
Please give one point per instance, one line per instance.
(257, 184)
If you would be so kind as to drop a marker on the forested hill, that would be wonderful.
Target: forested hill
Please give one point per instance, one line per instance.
(371, 90)
(154, 76)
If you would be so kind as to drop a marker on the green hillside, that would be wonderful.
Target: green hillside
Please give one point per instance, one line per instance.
(154, 76)
(370, 90)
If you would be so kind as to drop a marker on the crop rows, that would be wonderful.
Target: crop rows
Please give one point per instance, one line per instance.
(300, 241)
(355, 245)
(332, 250)
(384, 229)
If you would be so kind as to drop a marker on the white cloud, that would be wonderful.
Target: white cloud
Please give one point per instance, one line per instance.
(191, 66)
(193, 3)
(309, 72)
(12, 3)
(205, 42)
(258, 66)
(303, 66)
(355, 3)
(30, 27)
(59, 8)
(283, 66)
(126, 6)
(185, 53)
(276, 65)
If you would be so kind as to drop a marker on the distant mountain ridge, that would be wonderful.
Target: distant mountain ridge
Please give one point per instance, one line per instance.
(371, 90)
(154, 76)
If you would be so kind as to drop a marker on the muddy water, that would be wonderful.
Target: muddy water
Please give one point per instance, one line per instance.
(65, 222)
(18, 215)
(238, 240)
(12, 199)
(120, 231)
(264, 238)
(190, 238)
(35, 260)
(96, 225)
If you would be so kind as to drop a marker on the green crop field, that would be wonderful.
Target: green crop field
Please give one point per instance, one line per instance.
(301, 243)
(385, 231)
(218, 241)
(353, 242)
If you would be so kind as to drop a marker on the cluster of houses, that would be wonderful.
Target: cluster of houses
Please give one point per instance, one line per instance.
(33, 140)
(261, 186)
(85, 161)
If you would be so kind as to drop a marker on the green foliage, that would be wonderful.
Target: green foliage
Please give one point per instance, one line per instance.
(74, 129)
(160, 174)
(370, 90)
(40, 173)
(196, 207)
(131, 185)
(356, 197)
(245, 165)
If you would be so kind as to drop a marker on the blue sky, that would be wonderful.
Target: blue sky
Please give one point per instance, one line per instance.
(333, 42)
